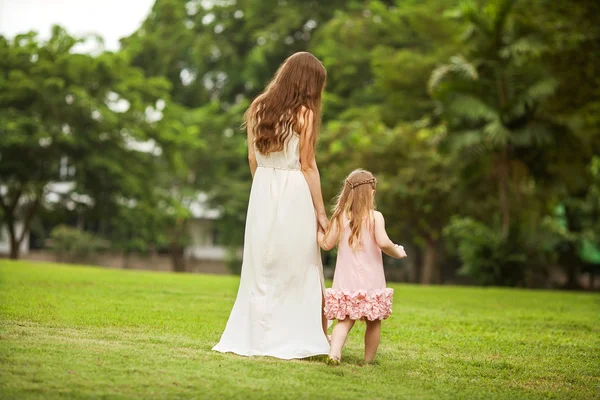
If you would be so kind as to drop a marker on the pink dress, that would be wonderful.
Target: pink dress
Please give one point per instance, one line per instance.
(359, 289)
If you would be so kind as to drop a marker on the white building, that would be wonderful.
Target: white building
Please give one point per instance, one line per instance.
(203, 244)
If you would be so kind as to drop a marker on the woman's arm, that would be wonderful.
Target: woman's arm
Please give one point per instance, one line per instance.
(251, 154)
(383, 240)
(310, 169)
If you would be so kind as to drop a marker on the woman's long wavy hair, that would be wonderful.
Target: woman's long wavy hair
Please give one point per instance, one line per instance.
(356, 202)
(274, 114)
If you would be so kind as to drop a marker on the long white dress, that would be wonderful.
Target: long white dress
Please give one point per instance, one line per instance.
(278, 307)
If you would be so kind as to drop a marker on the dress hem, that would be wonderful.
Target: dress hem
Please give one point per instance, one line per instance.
(371, 305)
(291, 357)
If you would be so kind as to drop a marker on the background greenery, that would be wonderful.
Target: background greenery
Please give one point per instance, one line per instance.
(74, 332)
(479, 118)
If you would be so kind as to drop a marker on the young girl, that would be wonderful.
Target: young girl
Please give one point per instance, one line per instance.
(359, 291)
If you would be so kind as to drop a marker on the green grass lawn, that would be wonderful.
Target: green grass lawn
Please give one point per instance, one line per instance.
(82, 332)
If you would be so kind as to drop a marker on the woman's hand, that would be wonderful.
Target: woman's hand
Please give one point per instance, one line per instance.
(323, 222)
(320, 237)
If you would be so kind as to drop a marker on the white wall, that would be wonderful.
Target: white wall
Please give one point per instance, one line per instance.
(202, 246)
(209, 253)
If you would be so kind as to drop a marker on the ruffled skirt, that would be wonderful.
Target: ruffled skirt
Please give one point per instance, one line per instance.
(362, 304)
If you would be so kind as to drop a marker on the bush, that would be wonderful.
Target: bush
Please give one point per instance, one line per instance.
(490, 259)
(73, 245)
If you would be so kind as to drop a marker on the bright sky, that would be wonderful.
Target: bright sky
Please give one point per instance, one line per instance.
(111, 19)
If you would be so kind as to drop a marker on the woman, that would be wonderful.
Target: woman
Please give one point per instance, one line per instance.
(278, 310)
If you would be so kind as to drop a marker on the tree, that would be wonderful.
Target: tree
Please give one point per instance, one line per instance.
(492, 98)
(499, 102)
(86, 112)
(422, 192)
(574, 57)
(218, 57)
(381, 55)
(378, 115)
(223, 50)
(496, 127)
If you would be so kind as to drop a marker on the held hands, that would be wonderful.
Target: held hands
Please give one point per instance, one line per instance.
(320, 237)
(323, 222)
(322, 227)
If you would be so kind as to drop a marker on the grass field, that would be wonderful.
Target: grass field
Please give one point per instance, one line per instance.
(77, 332)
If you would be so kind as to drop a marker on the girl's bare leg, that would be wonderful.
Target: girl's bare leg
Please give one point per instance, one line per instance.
(338, 337)
(372, 339)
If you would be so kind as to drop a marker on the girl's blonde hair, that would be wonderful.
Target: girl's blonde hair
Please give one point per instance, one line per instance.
(299, 82)
(356, 202)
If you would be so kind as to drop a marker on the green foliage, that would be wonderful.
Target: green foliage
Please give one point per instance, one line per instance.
(574, 229)
(482, 111)
(74, 245)
(217, 58)
(451, 104)
(487, 257)
(75, 117)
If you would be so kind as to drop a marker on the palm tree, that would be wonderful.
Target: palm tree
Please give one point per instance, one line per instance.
(490, 98)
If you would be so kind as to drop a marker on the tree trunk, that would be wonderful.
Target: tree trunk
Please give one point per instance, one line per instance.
(177, 258)
(503, 194)
(12, 238)
(15, 248)
(569, 257)
(80, 221)
(16, 240)
(569, 260)
(430, 270)
(175, 248)
(573, 277)
(503, 101)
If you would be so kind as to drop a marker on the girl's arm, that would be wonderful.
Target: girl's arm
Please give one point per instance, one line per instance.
(328, 240)
(310, 169)
(383, 240)
(251, 154)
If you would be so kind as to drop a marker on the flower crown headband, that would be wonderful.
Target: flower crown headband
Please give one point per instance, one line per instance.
(353, 185)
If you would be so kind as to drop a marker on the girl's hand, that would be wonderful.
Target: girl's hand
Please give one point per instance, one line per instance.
(323, 222)
(400, 251)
